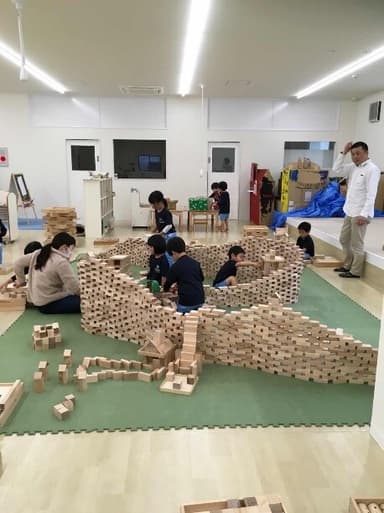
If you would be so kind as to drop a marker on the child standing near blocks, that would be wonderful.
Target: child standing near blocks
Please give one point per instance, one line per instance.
(163, 218)
(29, 248)
(224, 206)
(186, 273)
(226, 277)
(305, 241)
(158, 263)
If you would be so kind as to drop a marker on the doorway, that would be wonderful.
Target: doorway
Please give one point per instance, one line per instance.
(224, 166)
(83, 156)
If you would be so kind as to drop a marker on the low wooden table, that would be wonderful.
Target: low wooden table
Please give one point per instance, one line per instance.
(194, 213)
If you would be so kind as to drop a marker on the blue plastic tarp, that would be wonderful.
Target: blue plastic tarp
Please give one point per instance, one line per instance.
(326, 203)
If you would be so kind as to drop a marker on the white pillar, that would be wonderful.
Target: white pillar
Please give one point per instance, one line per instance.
(377, 421)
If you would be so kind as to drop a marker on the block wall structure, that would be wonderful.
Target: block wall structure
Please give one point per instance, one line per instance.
(268, 337)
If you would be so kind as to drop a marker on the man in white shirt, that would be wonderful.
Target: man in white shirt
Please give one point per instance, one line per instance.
(363, 179)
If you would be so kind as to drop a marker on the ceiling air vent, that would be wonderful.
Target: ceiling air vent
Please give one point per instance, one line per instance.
(141, 90)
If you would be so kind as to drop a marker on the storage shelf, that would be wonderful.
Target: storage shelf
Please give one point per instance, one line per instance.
(98, 199)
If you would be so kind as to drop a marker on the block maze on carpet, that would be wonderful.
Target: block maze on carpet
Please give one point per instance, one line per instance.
(267, 336)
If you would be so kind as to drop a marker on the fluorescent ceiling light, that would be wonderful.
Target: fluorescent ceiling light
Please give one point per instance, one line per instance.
(197, 20)
(350, 68)
(33, 70)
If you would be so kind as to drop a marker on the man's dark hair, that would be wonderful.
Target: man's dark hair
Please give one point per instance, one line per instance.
(32, 246)
(223, 186)
(157, 242)
(214, 186)
(176, 244)
(236, 250)
(360, 144)
(306, 227)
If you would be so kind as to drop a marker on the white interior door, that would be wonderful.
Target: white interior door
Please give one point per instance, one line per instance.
(224, 166)
(83, 156)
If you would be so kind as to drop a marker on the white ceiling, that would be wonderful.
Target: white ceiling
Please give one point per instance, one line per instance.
(266, 48)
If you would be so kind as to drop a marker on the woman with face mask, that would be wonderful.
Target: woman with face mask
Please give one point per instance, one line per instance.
(52, 285)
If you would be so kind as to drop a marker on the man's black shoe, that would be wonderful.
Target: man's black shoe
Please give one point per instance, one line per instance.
(341, 270)
(348, 274)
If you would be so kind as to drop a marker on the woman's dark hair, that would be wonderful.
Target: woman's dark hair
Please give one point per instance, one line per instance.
(214, 186)
(157, 242)
(223, 186)
(32, 246)
(156, 197)
(60, 239)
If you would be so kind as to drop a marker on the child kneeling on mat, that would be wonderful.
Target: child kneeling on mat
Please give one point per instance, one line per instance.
(163, 218)
(187, 275)
(158, 263)
(52, 285)
(226, 277)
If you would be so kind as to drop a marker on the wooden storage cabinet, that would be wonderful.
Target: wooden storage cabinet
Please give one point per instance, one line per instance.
(98, 203)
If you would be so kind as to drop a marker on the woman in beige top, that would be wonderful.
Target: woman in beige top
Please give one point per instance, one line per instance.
(52, 284)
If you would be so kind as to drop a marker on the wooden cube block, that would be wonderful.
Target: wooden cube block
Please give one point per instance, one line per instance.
(61, 412)
(43, 368)
(38, 382)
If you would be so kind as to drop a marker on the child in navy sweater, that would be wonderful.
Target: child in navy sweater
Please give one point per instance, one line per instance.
(163, 218)
(224, 206)
(186, 273)
(158, 263)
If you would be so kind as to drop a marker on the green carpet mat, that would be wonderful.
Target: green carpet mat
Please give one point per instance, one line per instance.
(321, 301)
(224, 396)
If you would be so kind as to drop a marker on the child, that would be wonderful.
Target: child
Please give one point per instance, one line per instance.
(224, 206)
(305, 241)
(226, 276)
(29, 248)
(186, 273)
(158, 263)
(215, 195)
(163, 218)
(3, 233)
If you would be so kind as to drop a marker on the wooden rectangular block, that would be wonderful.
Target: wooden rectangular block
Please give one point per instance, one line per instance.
(43, 368)
(63, 374)
(60, 411)
(38, 382)
(70, 397)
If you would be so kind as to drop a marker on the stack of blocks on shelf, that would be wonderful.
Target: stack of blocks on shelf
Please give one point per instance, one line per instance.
(267, 336)
(255, 504)
(46, 337)
(59, 219)
(64, 409)
(366, 505)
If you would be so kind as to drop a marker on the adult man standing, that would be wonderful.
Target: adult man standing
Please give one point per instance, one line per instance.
(363, 178)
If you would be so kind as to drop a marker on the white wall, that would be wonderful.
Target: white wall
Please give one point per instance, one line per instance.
(377, 421)
(371, 133)
(40, 153)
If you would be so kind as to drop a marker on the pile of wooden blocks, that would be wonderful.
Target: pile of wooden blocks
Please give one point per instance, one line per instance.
(255, 230)
(64, 409)
(59, 219)
(182, 375)
(39, 377)
(117, 370)
(158, 351)
(256, 504)
(10, 394)
(12, 301)
(46, 336)
(366, 505)
(119, 262)
(268, 337)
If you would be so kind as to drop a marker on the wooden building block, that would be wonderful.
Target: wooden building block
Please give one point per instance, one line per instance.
(70, 397)
(43, 368)
(63, 374)
(68, 404)
(10, 394)
(38, 382)
(60, 411)
(67, 355)
(82, 384)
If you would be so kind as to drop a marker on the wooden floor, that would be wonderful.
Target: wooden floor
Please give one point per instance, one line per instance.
(315, 470)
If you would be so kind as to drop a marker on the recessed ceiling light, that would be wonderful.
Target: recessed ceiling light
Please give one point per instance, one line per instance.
(343, 72)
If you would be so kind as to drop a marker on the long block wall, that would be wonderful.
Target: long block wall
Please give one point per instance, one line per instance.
(269, 337)
(253, 287)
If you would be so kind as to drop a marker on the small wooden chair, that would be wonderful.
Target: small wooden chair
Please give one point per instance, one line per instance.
(200, 220)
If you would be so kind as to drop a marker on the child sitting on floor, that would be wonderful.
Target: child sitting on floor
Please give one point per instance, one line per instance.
(305, 241)
(158, 263)
(186, 273)
(226, 276)
(163, 218)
